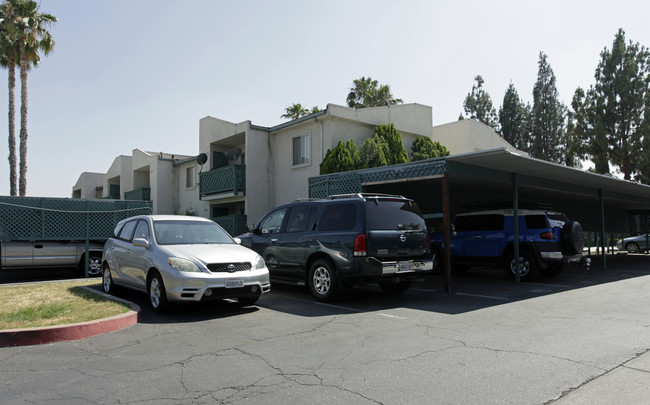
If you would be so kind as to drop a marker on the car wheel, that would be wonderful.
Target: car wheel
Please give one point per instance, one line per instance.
(632, 247)
(395, 288)
(107, 280)
(437, 261)
(157, 294)
(551, 271)
(94, 265)
(247, 301)
(527, 264)
(322, 280)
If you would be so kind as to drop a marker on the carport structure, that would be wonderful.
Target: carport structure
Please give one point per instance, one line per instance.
(446, 186)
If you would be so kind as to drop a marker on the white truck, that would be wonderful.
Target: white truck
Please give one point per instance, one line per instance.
(39, 232)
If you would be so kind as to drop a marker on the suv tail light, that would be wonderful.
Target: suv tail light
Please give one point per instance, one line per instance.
(547, 235)
(360, 245)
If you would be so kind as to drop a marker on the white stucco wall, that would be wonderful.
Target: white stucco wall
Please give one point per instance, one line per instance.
(87, 184)
(466, 136)
(120, 169)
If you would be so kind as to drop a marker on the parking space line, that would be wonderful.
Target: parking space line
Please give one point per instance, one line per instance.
(484, 296)
(337, 306)
(553, 285)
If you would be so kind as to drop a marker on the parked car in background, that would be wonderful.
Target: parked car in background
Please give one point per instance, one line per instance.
(547, 240)
(332, 244)
(181, 258)
(634, 244)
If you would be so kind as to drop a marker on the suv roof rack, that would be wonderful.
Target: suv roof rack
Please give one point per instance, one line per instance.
(362, 195)
(306, 199)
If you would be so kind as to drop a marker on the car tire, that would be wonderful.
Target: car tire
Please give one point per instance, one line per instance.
(157, 293)
(247, 301)
(551, 271)
(322, 280)
(632, 247)
(107, 280)
(395, 288)
(528, 266)
(94, 265)
(436, 257)
(572, 238)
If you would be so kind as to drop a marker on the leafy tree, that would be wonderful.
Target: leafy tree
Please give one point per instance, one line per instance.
(372, 152)
(393, 140)
(314, 110)
(514, 120)
(424, 148)
(25, 27)
(478, 105)
(366, 92)
(343, 157)
(548, 114)
(295, 111)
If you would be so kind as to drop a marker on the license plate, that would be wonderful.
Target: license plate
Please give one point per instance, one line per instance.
(405, 266)
(234, 283)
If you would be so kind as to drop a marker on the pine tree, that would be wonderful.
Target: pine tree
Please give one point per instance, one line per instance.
(478, 106)
(548, 115)
(514, 118)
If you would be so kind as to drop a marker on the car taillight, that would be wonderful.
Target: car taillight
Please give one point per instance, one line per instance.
(360, 245)
(547, 235)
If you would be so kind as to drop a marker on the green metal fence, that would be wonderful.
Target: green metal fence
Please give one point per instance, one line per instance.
(39, 218)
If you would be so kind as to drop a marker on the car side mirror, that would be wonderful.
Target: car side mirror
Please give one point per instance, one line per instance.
(237, 240)
(141, 242)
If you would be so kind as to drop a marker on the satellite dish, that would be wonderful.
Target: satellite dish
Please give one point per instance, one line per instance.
(201, 159)
(233, 154)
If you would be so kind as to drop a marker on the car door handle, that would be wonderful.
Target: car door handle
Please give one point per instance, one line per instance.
(274, 240)
(38, 246)
(477, 237)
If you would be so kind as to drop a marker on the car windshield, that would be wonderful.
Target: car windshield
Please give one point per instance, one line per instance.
(189, 233)
(393, 215)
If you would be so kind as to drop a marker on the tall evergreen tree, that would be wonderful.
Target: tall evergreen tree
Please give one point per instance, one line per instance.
(478, 105)
(620, 99)
(548, 115)
(343, 157)
(514, 118)
(424, 148)
(393, 140)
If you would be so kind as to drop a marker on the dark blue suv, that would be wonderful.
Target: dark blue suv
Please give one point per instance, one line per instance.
(547, 240)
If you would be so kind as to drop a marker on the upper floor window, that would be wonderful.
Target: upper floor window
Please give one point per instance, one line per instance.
(191, 177)
(301, 150)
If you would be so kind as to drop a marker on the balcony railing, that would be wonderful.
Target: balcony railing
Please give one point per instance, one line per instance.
(140, 194)
(233, 224)
(227, 179)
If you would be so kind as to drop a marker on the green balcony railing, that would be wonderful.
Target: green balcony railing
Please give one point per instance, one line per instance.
(227, 179)
(233, 224)
(140, 194)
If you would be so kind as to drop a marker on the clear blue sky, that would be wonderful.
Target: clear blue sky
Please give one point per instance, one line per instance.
(129, 74)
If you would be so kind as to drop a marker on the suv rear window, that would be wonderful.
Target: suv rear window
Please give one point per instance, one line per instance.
(338, 217)
(536, 221)
(382, 214)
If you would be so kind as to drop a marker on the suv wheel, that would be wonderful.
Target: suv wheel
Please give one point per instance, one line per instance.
(322, 280)
(527, 264)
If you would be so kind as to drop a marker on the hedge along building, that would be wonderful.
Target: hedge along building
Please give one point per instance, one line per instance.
(250, 169)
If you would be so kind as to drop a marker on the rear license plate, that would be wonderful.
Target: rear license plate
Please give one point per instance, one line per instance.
(234, 283)
(405, 266)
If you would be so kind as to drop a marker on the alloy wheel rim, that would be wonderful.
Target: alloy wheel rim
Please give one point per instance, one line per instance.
(524, 265)
(321, 280)
(154, 293)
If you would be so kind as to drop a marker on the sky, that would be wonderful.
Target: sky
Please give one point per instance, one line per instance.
(140, 74)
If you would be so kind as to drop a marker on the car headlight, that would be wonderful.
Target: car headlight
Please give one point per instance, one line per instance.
(259, 262)
(183, 265)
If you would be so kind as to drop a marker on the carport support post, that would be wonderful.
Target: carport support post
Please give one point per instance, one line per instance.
(515, 204)
(446, 224)
(602, 227)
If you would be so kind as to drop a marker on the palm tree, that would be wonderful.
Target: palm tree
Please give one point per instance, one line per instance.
(295, 111)
(366, 92)
(28, 27)
(9, 54)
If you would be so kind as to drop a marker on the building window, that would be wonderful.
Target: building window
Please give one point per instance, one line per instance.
(191, 177)
(301, 150)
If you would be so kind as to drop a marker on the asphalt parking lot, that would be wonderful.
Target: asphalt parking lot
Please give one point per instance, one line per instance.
(564, 340)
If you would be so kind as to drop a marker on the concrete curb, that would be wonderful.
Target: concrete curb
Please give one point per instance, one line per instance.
(75, 331)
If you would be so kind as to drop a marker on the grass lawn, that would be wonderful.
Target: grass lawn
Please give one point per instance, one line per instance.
(53, 303)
